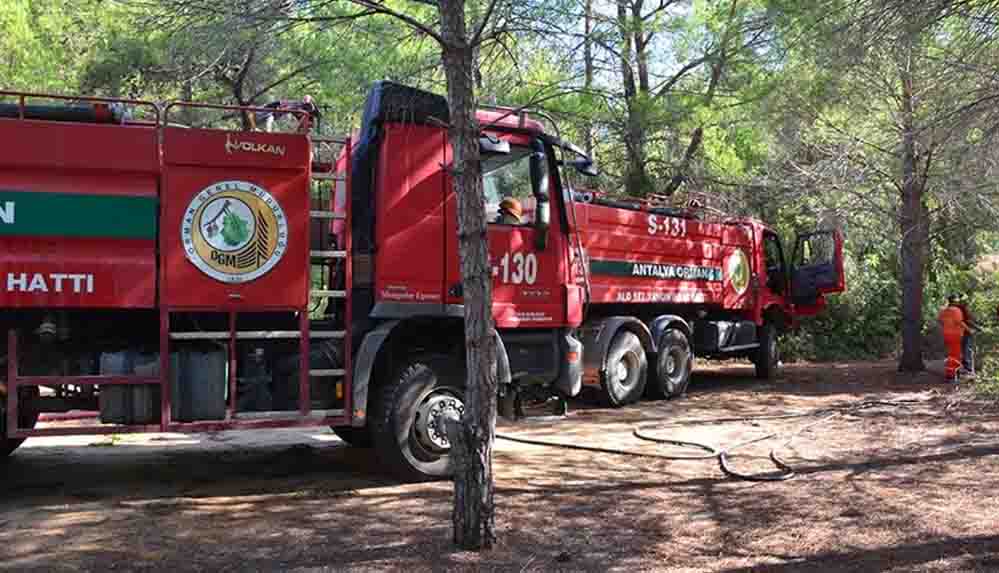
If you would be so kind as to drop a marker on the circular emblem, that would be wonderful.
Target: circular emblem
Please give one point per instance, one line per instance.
(737, 269)
(234, 231)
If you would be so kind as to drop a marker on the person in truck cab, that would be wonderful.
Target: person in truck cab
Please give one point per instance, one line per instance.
(510, 211)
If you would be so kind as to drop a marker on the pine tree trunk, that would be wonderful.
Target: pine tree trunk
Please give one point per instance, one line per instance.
(187, 95)
(588, 67)
(641, 47)
(634, 138)
(472, 440)
(640, 109)
(913, 229)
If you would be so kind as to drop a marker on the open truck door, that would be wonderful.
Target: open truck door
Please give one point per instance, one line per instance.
(817, 271)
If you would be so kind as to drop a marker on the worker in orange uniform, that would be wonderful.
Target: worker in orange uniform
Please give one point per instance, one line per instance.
(952, 322)
(967, 357)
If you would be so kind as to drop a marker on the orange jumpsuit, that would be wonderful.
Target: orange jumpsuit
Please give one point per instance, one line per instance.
(952, 320)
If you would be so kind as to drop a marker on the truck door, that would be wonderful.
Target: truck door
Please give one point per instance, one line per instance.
(523, 252)
(775, 277)
(817, 270)
(773, 256)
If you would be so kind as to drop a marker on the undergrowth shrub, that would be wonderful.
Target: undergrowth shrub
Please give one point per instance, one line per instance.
(987, 379)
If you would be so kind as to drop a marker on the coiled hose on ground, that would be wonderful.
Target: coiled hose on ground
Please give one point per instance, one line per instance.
(723, 455)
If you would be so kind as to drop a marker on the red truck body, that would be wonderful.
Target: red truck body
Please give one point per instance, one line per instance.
(198, 167)
(184, 279)
(58, 241)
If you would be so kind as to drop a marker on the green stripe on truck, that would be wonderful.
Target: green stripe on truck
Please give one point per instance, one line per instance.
(40, 214)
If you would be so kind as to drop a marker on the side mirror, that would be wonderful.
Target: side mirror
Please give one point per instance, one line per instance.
(585, 166)
(539, 175)
(539, 186)
(542, 220)
(493, 146)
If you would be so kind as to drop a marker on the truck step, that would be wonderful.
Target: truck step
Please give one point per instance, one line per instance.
(288, 415)
(327, 177)
(328, 293)
(325, 215)
(326, 372)
(336, 140)
(255, 335)
(328, 254)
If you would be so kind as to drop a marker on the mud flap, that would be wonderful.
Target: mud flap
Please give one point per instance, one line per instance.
(570, 378)
(364, 365)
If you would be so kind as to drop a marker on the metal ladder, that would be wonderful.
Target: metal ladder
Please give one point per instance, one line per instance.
(326, 259)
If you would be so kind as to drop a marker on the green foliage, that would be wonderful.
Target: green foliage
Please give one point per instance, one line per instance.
(45, 44)
(987, 379)
(801, 132)
(858, 326)
(864, 322)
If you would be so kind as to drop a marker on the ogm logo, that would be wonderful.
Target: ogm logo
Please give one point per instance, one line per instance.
(737, 270)
(234, 231)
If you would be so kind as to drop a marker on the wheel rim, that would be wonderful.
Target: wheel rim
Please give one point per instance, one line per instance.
(430, 426)
(671, 368)
(772, 344)
(670, 365)
(624, 368)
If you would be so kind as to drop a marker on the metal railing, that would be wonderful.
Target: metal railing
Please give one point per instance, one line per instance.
(25, 107)
(243, 116)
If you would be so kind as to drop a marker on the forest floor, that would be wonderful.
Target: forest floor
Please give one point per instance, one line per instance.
(905, 488)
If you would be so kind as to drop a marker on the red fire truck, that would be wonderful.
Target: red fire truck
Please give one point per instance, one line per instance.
(171, 277)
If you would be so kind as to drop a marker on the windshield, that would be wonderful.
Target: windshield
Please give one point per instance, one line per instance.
(506, 177)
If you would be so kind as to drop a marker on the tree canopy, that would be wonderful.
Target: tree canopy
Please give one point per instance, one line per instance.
(877, 117)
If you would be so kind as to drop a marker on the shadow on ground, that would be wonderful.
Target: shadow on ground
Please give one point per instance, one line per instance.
(910, 491)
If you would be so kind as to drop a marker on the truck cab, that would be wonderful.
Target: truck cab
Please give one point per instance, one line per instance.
(407, 299)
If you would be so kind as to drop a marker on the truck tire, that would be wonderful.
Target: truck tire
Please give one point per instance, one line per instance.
(355, 437)
(767, 357)
(627, 367)
(27, 418)
(409, 434)
(674, 363)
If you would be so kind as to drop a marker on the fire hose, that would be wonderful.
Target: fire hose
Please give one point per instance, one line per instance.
(724, 455)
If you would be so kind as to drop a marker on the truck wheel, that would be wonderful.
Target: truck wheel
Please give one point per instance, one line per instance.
(356, 437)
(767, 356)
(409, 432)
(674, 364)
(27, 418)
(627, 369)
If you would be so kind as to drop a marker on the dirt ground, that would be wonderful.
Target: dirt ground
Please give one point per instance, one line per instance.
(879, 489)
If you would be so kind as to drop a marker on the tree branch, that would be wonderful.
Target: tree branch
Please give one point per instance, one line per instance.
(380, 8)
(282, 80)
(477, 36)
(695, 138)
